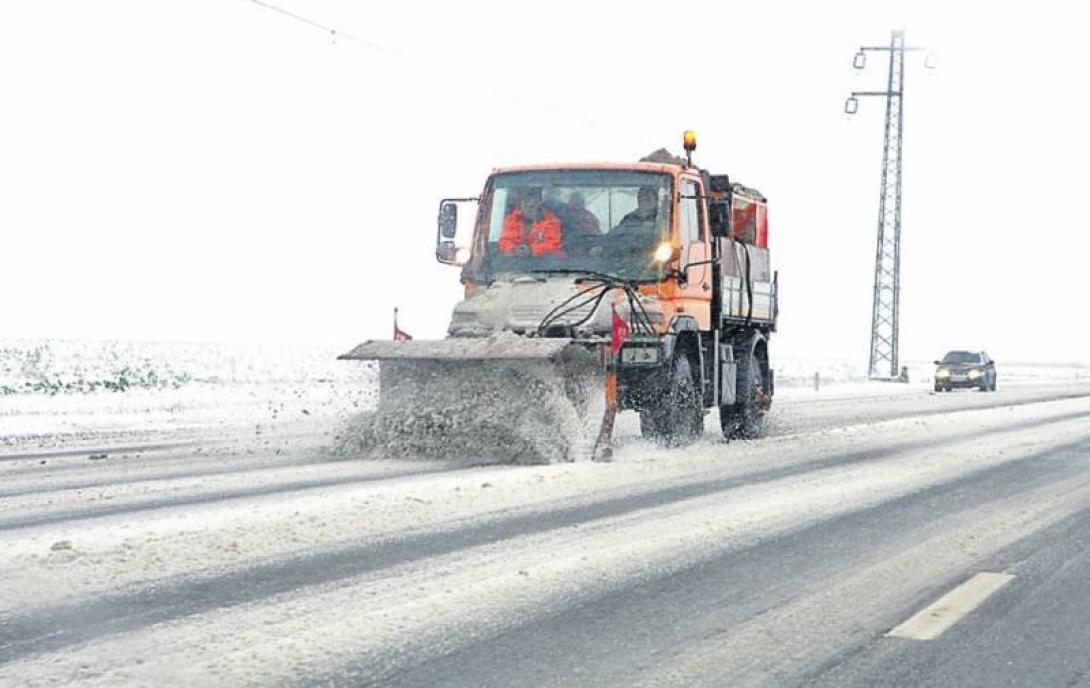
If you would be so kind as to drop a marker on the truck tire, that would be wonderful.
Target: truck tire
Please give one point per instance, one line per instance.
(675, 417)
(745, 418)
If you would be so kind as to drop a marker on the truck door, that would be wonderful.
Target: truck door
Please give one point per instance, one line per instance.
(697, 294)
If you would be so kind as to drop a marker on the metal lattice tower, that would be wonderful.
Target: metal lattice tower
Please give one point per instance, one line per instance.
(884, 361)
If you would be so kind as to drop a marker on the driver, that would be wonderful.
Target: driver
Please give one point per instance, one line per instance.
(530, 228)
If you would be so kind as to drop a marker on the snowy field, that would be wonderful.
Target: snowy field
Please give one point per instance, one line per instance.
(181, 514)
(57, 392)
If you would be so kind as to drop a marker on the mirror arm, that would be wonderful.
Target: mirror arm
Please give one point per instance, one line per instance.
(681, 275)
(711, 261)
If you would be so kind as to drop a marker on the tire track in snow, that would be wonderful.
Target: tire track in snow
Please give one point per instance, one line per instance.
(864, 410)
(288, 638)
(167, 600)
(146, 469)
(166, 502)
(617, 633)
(96, 449)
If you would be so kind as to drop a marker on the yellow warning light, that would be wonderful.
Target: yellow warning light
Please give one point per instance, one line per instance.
(689, 140)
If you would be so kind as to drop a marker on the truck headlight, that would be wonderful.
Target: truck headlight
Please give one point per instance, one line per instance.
(974, 373)
(640, 354)
(942, 372)
(666, 252)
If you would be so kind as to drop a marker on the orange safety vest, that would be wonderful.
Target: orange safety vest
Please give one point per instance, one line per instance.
(544, 235)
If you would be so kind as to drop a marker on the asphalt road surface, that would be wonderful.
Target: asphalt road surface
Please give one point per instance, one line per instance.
(877, 536)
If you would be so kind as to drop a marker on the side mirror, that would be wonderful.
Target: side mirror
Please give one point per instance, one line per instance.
(444, 252)
(448, 220)
(938, 362)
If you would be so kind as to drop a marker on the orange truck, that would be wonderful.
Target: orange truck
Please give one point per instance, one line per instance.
(589, 289)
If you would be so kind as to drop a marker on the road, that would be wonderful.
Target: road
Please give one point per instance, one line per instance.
(197, 552)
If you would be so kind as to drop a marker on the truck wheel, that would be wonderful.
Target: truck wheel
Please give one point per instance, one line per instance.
(675, 417)
(745, 418)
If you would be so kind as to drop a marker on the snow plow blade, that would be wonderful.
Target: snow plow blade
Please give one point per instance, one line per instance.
(502, 399)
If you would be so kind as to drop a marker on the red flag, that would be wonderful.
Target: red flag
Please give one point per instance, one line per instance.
(618, 333)
(399, 334)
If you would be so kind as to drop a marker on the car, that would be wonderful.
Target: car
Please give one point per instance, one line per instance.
(965, 369)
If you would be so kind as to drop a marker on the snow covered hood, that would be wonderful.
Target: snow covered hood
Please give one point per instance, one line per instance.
(521, 304)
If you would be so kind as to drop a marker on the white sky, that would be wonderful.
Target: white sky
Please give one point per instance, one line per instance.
(213, 170)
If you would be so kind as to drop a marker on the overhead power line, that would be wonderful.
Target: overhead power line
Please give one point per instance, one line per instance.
(333, 32)
(336, 34)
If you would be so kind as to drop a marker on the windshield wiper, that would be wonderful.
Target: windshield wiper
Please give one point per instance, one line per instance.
(639, 320)
(593, 274)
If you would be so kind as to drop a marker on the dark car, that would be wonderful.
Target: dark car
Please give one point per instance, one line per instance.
(965, 369)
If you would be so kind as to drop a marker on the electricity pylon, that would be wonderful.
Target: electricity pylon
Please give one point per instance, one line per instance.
(885, 313)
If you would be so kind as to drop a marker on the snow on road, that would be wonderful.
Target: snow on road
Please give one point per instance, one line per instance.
(214, 536)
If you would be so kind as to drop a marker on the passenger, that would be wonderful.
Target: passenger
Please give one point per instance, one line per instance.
(582, 220)
(582, 234)
(646, 209)
(553, 201)
(530, 228)
(638, 229)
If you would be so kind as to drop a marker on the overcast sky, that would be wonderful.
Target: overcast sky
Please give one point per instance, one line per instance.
(214, 170)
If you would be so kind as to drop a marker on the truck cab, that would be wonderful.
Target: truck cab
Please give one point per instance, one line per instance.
(689, 248)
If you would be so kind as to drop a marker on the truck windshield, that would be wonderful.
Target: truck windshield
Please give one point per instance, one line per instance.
(606, 221)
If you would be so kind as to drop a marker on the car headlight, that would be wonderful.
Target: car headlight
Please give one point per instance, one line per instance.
(974, 373)
(942, 372)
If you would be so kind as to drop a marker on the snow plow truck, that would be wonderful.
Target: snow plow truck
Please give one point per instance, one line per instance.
(589, 289)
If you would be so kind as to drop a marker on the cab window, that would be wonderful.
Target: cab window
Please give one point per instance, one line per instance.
(691, 213)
